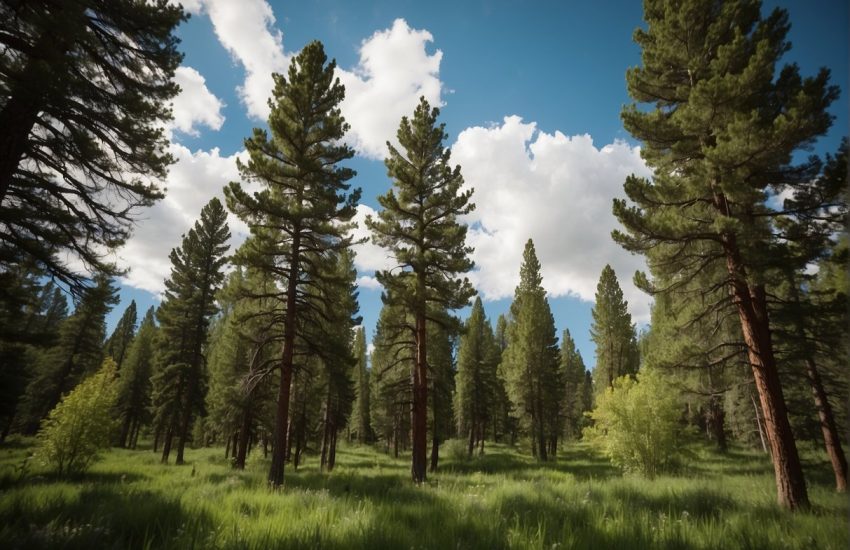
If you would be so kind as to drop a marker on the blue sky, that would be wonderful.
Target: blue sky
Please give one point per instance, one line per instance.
(549, 172)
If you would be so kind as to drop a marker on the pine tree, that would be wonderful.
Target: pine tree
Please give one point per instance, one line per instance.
(530, 361)
(392, 362)
(723, 128)
(475, 397)
(304, 206)
(86, 87)
(361, 423)
(188, 305)
(613, 332)
(572, 373)
(441, 366)
(78, 352)
(134, 385)
(418, 223)
(117, 344)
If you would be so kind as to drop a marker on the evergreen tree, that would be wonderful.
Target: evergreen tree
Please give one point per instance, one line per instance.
(418, 223)
(613, 332)
(722, 130)
(475, 396)
(30, 316)
(392, 361)
(530, 361)
(441, 366)
(361, 423)
(303, 210)
(188, 305)
(78, 352)
(572, 373)
(134, 384)
(117, 344)
(85, 90)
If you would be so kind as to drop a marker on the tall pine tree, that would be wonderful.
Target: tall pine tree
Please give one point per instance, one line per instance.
(134, 382)
(613, 333)
(720, 131)
(418, 223)
(361, 424)
(304, 208)
(530, 360)
(189, 303)
(121, 337)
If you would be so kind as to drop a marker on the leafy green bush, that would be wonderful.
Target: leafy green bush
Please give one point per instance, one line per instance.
(636, 423)
(456, 449)
(81, 425)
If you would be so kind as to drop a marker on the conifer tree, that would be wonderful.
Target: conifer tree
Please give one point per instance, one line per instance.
(418, 223)
(134, 384)
(530, 361)
(188, 305)
(78, 352)
(117, 343)
(572, 373)
(84, 93)
(613, 332)
(304, 209)
(475, 396)
(441, 364)
(722, 129)
(361, 423)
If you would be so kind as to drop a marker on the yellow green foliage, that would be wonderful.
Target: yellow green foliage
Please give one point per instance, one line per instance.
(81, 425)
(636, 423)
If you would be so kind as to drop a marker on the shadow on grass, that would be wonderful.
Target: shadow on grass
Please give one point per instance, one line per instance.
(109, 516)
(579, 463)
(698, 503)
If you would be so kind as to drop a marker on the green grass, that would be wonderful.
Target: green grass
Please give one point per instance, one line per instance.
(501, 500)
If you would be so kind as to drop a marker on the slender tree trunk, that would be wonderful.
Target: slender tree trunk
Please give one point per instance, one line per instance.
(752, 311)
(183, 436)
(471, 445)
(758, 424)
(831, 439)
(715, 422)
(420, 398)
(166, 445)
(325, 435)
(125, 431)
(227, 448)
(279, 453)
(332, 455)
(134, 433)
(244, 433)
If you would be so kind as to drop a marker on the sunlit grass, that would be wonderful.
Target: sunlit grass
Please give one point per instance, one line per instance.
(501, 500)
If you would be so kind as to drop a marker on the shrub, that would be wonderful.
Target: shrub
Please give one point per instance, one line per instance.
(457, 449)
(81, 425)
(636, 423)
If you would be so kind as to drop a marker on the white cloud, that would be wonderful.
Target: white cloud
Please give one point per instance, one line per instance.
(367, 281)
(394, 71)
(369, 256)
(195, 104)
(246, 29)
(192, 182)
(556, 190)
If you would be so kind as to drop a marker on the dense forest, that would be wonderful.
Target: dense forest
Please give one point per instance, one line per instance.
(256, 355)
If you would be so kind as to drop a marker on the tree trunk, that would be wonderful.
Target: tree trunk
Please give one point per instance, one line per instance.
(420, 400)
(125, 432)
(752, 311)
(715, 422)
(157, 433)
(166, 445)
(281, 418)
(758, 424)
(242, 448)
(7, 428)
(134, 433)
(831, 439)
(183, 436)
(332, 452)
(471, 445)
(325, 435)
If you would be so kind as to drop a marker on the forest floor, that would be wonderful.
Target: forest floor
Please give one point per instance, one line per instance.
(501, 500)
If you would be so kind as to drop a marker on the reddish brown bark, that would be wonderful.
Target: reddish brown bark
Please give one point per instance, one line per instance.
(752, 312)
(831, 439)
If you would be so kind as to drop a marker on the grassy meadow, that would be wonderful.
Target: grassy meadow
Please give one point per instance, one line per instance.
(501, 500)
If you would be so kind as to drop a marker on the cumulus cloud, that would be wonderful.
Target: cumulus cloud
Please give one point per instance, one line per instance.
(370, 257)
(556, 190)
(193, 180)
(195, 104)
(246, 30)
(394, 71)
